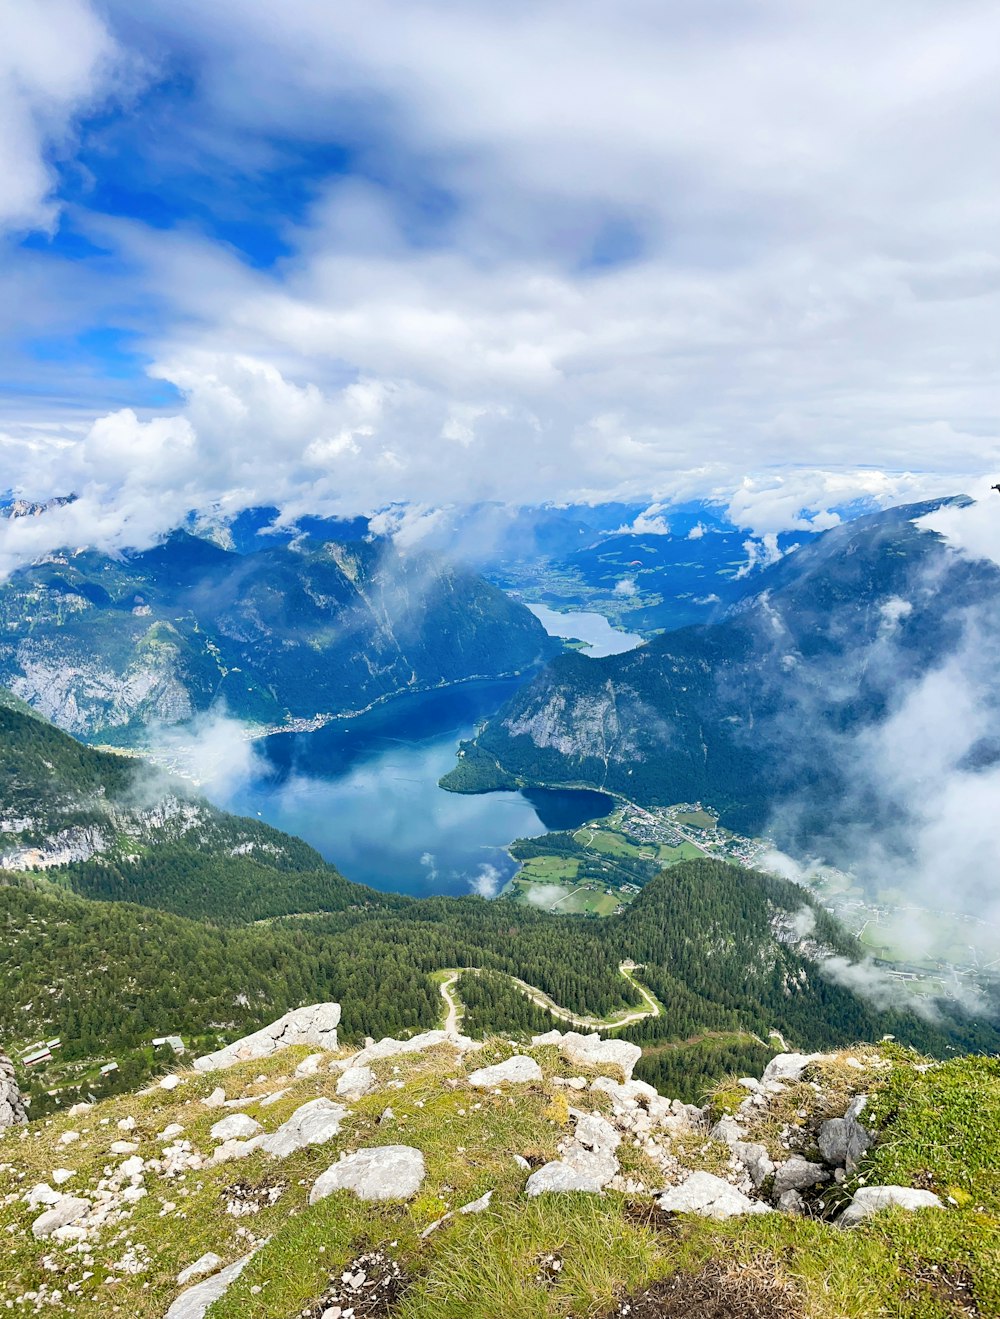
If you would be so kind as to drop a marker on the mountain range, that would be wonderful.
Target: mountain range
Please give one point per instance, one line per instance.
(103, 646)
(762, 709)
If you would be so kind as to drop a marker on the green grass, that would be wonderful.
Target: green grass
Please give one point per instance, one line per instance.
(939, 1128)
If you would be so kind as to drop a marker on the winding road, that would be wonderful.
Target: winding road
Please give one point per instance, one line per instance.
(454, 1008)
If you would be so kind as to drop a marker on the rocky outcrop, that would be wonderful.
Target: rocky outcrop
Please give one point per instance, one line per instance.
(316, 1025)
(514, 1071)
(594, 1052)
(12, 1109)
(869, 1200)
(194, 1303)
(712, 1197)
(393, 1172)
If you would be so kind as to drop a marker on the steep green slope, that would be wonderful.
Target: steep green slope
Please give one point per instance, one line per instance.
(111, 826)
(102, 646)
(757, 709)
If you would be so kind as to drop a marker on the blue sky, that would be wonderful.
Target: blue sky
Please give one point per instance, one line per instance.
(356, 255)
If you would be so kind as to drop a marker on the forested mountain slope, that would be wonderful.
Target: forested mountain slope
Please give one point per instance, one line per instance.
(748, 712)
(112, 826)
(103, 645)
(187, 936)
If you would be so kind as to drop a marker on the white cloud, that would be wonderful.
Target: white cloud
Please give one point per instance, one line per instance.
(57, 59)
(972, 530)
(626, 586)
(791, 293)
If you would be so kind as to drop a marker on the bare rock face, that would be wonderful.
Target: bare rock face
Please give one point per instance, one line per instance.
(592, 1051)
(316, 1025)
(12, 1110)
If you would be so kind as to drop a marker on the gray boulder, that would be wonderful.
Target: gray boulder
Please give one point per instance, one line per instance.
(798, 1174)
(788, 1067)
(832, 1141)
(356, 1082)
(316, 1025)
(12, 1110)
(844, 1140)
(207, 1263)
(311, 1124)
(238, 1126)
(67, 1209)
(579, 1169)
(194, 1303)
(515, 1071)
(391, 1172)
(869, 1200)
(594, 1132)
(593, 1052)
(711, 1196)
(755, 1159)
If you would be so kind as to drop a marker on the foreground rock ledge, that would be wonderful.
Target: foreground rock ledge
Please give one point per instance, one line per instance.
(315, 1025)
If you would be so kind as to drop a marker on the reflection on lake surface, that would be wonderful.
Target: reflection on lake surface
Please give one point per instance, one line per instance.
(601, 637)
(364, 793)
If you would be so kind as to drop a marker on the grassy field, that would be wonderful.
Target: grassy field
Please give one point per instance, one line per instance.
(606, 859)
(567, 899)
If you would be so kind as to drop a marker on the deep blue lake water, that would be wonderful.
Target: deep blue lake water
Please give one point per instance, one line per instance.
(364, 793)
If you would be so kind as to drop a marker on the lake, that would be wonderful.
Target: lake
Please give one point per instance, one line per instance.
(601, 637)
(364, 793)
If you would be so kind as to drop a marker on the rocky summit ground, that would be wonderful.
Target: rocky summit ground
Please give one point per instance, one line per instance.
(448, 1178)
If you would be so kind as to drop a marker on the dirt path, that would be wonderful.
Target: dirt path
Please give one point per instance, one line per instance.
(453, 1006)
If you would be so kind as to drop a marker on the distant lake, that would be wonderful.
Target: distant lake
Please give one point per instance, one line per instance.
(602, 638)
(364, 793)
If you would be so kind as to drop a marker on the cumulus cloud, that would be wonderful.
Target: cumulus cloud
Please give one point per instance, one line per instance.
(58, 60)
(487, 881)
(578, 254)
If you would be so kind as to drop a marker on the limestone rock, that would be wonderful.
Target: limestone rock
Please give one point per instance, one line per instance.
(311, 1124)
(208, 1263)
(356, 1082)
(791, 1202)
(429, 1039)
(309, 1066)
(216, 1099)
(579, 1169)
(316, 1025)
(194, 1303)
(755, 1159)
(515, 1071)
(67, 1209)
(391, 1172)
(870, 1199)
(703, 1193)
(798, 1174)
(592, 1051)
(832, 1141)
(859, 1138)
(595, 1132)
(238, 1126)
(788, 1067)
